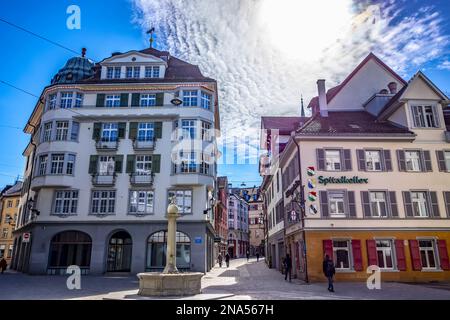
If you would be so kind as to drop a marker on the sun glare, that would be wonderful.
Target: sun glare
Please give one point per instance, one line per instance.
(303, 29)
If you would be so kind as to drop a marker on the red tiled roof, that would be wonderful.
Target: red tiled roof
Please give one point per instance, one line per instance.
(331, 93)
(284, 124)
(350, 123)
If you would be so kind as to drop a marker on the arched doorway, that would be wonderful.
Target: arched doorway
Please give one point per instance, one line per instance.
(69, 248)
(156, 251)
(119, 252)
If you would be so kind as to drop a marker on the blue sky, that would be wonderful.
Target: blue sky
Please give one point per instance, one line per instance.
(416, 29)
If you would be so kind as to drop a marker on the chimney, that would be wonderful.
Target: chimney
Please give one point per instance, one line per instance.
(323, 104)
(392, 87)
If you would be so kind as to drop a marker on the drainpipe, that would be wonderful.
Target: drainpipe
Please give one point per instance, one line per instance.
(302, 206)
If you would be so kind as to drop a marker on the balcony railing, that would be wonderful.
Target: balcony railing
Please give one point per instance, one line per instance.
(107, 145)
(144, 144)
(141, 179)
(104, 180)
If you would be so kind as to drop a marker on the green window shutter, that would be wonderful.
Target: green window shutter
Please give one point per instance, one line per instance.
(124, 100)
(130, 163)
(160, 99)
(100, 100)
(135, 99)
(156, 163)
(122, 128)
(158, 130)
(96, 133)
(133, 131)
(119, 163)
(93, 164)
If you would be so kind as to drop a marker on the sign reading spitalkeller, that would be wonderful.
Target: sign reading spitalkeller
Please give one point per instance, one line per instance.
(344, 180)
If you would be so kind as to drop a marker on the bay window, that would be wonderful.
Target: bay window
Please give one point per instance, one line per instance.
(188, 128)
(47, 132)
(51, 101)
(206, 101)
(190, 98)
(42, 165)
(78, 100)
(57, 164)
(62, 130)
(66, 100)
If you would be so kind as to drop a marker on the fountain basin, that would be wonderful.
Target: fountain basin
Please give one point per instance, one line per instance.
(152, 284)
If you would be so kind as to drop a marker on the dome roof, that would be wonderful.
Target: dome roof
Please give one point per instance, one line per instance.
(76, 69)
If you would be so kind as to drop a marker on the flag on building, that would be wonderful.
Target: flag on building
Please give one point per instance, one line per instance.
(311, 171)
(312, 196)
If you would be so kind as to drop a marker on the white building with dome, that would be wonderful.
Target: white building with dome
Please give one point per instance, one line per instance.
(104, 159)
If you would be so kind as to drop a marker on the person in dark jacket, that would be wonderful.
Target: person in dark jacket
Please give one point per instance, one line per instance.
(329, 271)
(227, 260)
(248, 255)
(3, 264)
(257, 256)
(288, 267)
(220, 259)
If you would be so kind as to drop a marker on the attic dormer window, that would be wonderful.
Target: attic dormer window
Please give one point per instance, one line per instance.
(425, 116)
(152, 72)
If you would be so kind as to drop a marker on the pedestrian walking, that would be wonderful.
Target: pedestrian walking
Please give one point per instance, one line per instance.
(227, 260)
(329, 271)
(248, 255)
(257, 256)
(220, 258)
(3, 264)
(288, 267)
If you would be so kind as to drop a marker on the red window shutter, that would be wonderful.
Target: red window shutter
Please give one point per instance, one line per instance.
(415, 255)
(400, 252)
(328, 248)
(443, 255)
(372, 252)
(357, 256)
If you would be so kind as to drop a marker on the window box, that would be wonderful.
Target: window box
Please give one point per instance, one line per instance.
(144, 144)
(141, 179)
(109, 145)
(104, 180)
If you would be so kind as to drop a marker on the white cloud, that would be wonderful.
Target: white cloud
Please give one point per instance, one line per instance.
(265, 53)
(445, 65)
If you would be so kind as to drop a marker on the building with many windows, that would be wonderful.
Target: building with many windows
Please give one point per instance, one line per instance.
(111, 144)
(9, 205)
(238, 236)
(221, 219)
(374, 164)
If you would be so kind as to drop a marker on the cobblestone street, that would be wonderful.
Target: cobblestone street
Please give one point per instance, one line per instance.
(242, 280)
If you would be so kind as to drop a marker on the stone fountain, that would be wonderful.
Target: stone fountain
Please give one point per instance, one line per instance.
(170, 282)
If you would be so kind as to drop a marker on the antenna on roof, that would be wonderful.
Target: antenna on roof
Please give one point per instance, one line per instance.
(150, 32)
(302, 112)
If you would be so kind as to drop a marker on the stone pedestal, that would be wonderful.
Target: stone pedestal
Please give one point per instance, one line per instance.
(164, 285)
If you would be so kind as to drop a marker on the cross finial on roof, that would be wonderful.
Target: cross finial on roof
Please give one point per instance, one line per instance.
(150, 31)
(302, 113)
